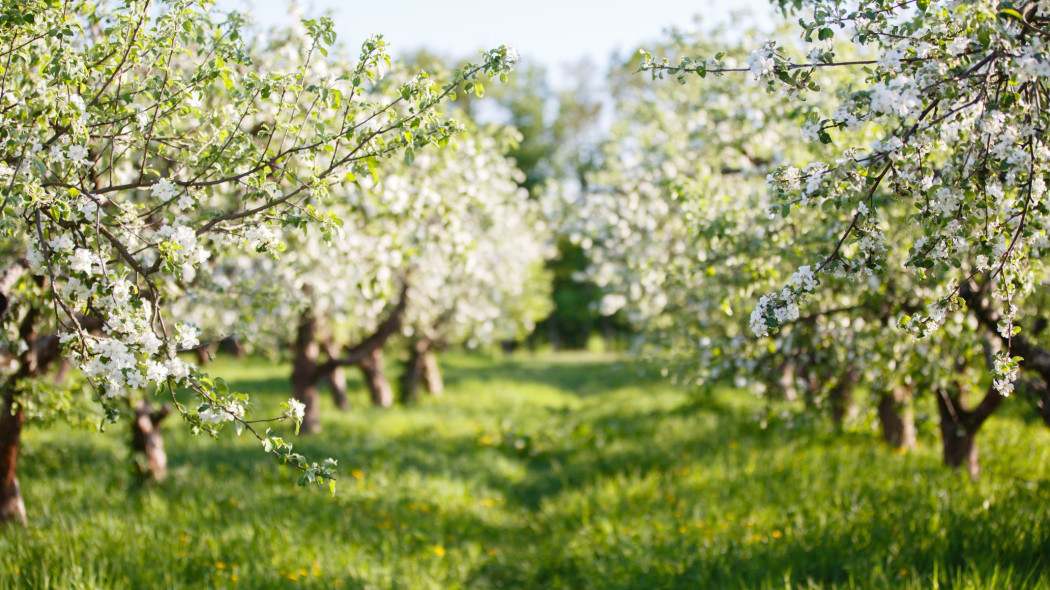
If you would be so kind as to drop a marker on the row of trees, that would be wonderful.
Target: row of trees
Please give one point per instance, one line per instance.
(856, 208)
(859, 207)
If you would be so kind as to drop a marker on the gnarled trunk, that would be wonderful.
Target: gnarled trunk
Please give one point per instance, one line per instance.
(336, 382)
(960, 448)
(374, 371)
(432, 373)
(147, 443)
(414, 369)
(304, 372)
(897, 418)
(336, 378)
(12, 417)
(959, 428)
(843, 406)
(33, 363)
(307, 370)
(12, 508)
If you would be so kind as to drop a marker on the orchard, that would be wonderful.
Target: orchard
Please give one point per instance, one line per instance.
(754, 305)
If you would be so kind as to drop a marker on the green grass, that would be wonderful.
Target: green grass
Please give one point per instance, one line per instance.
(548, 472)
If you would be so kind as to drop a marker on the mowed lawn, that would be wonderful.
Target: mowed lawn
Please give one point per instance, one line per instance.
(570, 471)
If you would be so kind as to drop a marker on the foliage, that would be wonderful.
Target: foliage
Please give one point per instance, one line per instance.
(938, 182)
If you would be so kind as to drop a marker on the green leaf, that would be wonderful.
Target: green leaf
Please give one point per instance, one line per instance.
(373, 168)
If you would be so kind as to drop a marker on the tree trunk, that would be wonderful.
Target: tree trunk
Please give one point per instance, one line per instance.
(336, 382)
(1042, 407)
(414, 369)
(234, 347)
(1039, 392)
(374, 371)
(147, 443)
(336, 379)
(843, 406)
(432, 373)
(960, 449)
(304, 372)
(12, 508)
(897, 418)
(959, 428)
(366, 353)
(206, 354)
(34, 361)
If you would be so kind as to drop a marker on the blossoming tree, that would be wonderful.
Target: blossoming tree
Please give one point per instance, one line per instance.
(478, 278)
(445, 249)
(940, 178)
(139, 141)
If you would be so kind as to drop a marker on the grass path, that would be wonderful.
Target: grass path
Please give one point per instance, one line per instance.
(571, 471)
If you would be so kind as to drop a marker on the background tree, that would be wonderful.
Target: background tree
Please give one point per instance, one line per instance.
(948, 187)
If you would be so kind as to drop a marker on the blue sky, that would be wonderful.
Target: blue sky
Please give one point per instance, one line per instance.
(550, 32)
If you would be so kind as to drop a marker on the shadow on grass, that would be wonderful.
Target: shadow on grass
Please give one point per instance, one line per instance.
(551, 469)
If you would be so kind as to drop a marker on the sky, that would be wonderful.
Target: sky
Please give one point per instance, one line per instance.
(548, 32)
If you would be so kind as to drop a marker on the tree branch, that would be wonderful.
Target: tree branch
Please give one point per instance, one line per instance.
(361, 350)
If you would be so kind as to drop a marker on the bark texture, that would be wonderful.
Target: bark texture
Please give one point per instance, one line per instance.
(374, 370)
(432, 373)
(12, 508)
(421, 368)
(308, 370)
(34, 362)
(897, 418)
(305, 375)
(336, 379)
(959, 428)
(336, 382)
(840, 398)
(147, 442)
(412, 376)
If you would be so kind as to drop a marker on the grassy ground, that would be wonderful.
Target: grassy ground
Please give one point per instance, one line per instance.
(550, 472)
